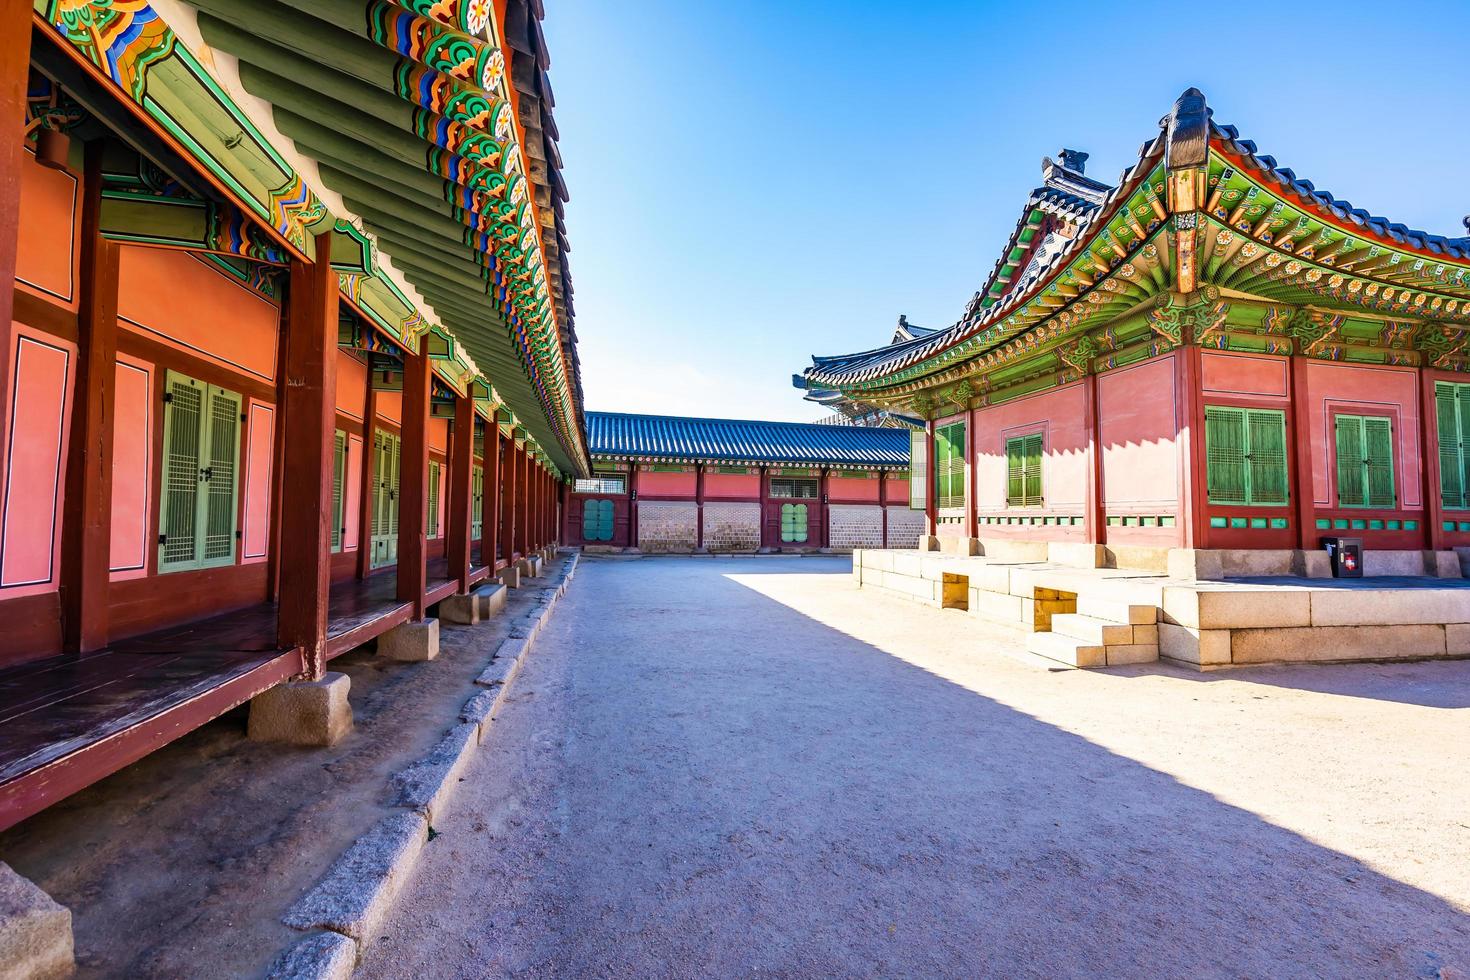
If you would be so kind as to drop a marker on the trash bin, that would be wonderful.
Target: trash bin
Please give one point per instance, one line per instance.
(1346, 555)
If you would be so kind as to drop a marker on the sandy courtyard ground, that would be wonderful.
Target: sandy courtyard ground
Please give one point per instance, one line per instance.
(725, 767)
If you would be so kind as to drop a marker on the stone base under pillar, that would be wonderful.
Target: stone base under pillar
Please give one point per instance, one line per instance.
(411, 642)
(35, 932)
(510, 577)
(303, 712)
(530, 566)
(476, 607)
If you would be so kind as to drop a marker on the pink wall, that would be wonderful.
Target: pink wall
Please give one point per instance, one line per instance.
(46, 258)
(390, 406)
(35, 453)
(725, 485)
(1059, 416)
(132, 468)
(439, 435)
(175, 298)
(351, 386)
(666, 484)
(1138, 425)
(352, 494)
(898, 490)
(259, 455)
(1361, 389)
(851, 489)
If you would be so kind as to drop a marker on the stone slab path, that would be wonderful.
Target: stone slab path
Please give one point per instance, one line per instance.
(718, 768)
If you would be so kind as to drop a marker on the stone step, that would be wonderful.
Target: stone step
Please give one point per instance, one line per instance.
(1092, 629)
(1132, 653)
(1115, 611)
(1067, 649)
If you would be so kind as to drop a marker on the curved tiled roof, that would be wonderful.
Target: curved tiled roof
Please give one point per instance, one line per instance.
(738, 440)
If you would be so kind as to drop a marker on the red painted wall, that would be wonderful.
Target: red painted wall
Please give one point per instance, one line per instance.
(1060, 416)
(46, 261)
(651, 484)
(1139, 418)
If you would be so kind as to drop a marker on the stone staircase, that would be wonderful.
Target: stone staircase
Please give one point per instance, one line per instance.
(1100, 633)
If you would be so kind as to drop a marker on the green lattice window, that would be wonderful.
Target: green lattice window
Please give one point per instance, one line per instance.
(1364, 461)
(1452, 421)
(1023, 471)
(603, 483)
(949, 465)
(793, 523)
(1245, 456)
(201, 463)
(918, 471)
(597, 520)
(794, 487)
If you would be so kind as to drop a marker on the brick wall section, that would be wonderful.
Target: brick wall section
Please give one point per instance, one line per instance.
(855, 526)
(665, 526)
(732, 526)
(905, 526)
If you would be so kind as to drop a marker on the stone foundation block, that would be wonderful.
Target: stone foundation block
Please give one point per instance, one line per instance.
(1207, 648)
(996, 607)
(476, 607)
(1077, 554)
(1195, 565)
(928, 542)
(324, 956)
(1442, 564)
(303, 712)
(510, 577)
(1378, 561)
(35, 932)
(1328, 643)
(411, 642)
(1389, 606)
(1131, 653)
(1238, 609)
(1457, 639)
(359, 889)
(959, 546)
(530, 567)
(1311, 564)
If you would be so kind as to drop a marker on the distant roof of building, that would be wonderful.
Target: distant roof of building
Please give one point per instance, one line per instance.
(663, 437)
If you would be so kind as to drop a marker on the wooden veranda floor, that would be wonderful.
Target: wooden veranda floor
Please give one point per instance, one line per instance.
(66, 722)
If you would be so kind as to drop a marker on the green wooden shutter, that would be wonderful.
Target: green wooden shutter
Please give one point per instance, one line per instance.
(433, 499)
(1225, 455)
(949, 465)
(395, 462)
(339, 471)
(1031, 471)
(221, 477)
(1378, 461)
(1015, 472)
(1266, 452)
(918, 471)
(1351, 468)
(793, 523)
(1447, 418)
(183, 423)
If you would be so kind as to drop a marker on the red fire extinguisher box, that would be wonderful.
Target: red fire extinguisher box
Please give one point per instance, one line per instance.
(1346, 555)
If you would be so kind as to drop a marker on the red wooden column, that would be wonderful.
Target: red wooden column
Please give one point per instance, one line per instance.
(883, 504)
(369, 477)
(1429, 464)
(538, 505)
(87, 521)
(972, 477)
(523, 509)
(413, 483)
(765, 497)
(1095, 519)
(1301, 476)
(508, 478)
(307, 458)
(461, 491)
(15, 62)
(490, 496)
(931, 492)
(698, 506)
(633, 505)
(824, 510)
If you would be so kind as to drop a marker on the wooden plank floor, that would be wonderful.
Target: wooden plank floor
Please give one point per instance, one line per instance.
(66, 722)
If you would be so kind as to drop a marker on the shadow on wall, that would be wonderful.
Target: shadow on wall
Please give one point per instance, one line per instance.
(869, 812)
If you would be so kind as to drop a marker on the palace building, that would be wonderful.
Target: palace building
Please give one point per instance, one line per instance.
(683, 485)
(1204, 371)
(291, 363)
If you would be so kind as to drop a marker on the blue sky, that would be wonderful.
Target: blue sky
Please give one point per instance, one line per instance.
(756, 182)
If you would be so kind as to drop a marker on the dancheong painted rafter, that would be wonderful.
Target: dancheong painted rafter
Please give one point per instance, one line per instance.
(1203, 240)
(405, 116)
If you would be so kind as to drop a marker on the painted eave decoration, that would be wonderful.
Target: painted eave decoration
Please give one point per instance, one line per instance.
(427, 125)
(1202, 240)
(671, 439)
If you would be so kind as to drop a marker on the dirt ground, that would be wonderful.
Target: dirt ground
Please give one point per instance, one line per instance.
(183, 864)
(724, 768)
